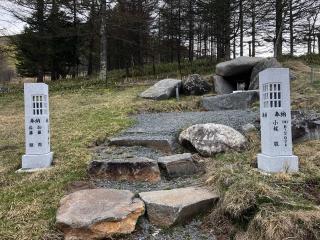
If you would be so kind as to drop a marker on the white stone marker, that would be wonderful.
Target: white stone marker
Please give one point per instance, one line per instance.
(36, 99)
(275, 115)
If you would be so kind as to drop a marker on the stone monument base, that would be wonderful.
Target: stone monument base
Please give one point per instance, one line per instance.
(37, 161)
(278, 164)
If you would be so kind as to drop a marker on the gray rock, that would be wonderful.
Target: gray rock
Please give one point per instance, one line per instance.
(195, 85)
(237, 66)
(162, 90)
(129, 169)
(221, 85)
(98, 214)
(209, 139)
(305, 125)
(248, 128)
(234, 101)
(4, 89)
(178, 165)
(262, 65)
(170, 207)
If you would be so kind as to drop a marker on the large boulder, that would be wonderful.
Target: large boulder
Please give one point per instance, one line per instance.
(130, 169)
(234, 101)
(195, 85)
(259, 67)
(162, 90)
(237, 66)
(98, 214)
(222, 86)
(170, 207)
(209, 139)
(178, 165)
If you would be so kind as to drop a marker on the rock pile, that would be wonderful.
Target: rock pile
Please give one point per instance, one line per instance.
(195, 85)
(165, 89)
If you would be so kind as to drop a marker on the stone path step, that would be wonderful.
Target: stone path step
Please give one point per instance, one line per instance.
(105, 213)
(170, 207)
(160, 130)
(128, 169)
(162, 143)
(98, 214)
(179, 165)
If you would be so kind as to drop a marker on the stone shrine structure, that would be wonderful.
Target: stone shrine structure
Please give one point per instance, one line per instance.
(38, 154)
(275, 115)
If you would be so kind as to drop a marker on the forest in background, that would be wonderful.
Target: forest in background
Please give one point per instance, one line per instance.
(65, 38)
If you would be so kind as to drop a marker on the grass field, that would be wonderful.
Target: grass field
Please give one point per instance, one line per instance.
(79, 118)
(84, 114)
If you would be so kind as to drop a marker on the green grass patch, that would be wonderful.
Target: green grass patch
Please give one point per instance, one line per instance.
(81, 116)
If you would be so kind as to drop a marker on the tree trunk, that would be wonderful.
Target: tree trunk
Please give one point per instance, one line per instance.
(318, 43)
(75, 44)
(279, 29)
(241, 25)
(253, 28)
(40, 21)
(103, 43)
(92, 38)
(179, 38)
(191, 30)
(291, 28)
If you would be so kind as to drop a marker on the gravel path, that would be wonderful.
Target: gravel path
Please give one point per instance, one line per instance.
(164, 126)
(172, 123)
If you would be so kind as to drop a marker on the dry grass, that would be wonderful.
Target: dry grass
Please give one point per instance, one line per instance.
(80, 118)
(277, 206)
(270, 225)
(254, 205)
(246, 193)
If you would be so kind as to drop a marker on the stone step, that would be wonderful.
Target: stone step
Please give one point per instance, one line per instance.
(98, 214)
(128, 169)
(164, 144)
(178, 165)
(170, 207)
(234, 101)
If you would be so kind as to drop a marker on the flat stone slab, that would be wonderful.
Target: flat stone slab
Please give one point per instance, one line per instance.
(98, 213)
(162, 90)
(178, 165)
(170, 207)
(234, 101)
(130, 169)
(237, 66)
(163, 143)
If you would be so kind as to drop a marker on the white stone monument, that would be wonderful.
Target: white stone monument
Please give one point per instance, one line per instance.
(275, 115)
(38, 154)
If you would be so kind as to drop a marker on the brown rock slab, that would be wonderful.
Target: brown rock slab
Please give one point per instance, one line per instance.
(129, 169)
(178, 165)
(170, 207)
(98, 213)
